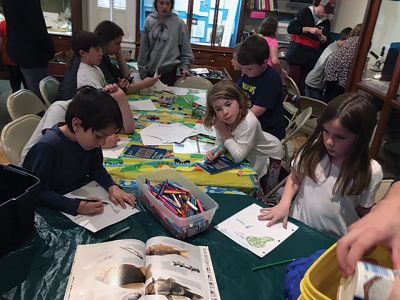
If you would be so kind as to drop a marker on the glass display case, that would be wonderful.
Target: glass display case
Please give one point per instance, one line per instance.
(377, 64)
(62, 17)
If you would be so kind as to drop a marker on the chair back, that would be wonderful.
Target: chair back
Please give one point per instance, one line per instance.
(382, 190)
(291, 86)
(193, 82)
(24, 102)
(48, 88)
(295, 125)
(16, 134)
(317, 106)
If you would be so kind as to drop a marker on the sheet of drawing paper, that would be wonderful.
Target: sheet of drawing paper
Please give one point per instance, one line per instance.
(116, 151)
(190, 146)
(173, 133)
(201, 129)
(245, 229)
(112, 214)
(142, 105)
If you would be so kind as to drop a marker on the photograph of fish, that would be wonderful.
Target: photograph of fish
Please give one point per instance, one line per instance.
(124, 275)
(171, 289)
(161, 249)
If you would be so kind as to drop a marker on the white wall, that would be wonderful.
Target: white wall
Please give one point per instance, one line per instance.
(348, 13)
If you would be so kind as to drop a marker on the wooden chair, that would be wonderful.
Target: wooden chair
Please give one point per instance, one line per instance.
(48, 88)
(24, 102)
(194, 83)
(16, 134)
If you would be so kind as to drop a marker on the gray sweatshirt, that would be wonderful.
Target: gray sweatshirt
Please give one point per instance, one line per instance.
(164, 45)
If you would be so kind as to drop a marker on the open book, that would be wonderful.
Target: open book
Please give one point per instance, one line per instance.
(161, 268)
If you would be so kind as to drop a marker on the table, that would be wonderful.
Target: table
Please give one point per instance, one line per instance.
(183, 110)
(40, 270)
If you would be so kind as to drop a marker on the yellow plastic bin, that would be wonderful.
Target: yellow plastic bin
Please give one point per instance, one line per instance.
(321, 281)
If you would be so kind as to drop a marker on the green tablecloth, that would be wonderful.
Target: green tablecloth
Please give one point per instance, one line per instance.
(41, 269)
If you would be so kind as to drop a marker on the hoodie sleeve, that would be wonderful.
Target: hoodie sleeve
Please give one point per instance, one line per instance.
(143, 56)
(186, 53)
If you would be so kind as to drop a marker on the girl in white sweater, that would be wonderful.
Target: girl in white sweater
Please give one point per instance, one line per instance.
(239, 130)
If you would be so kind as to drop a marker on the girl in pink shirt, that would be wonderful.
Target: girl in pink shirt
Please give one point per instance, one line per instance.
(267, 29)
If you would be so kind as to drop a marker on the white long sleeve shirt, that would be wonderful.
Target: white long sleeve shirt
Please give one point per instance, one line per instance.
(250, 142)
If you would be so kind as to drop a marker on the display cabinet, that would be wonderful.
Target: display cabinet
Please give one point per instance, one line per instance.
(376, 69)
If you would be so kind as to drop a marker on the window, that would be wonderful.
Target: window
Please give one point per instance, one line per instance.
(210, 22)
(117, 4)
(121, 12)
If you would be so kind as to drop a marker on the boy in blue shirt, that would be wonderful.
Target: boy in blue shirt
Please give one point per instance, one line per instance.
(69, 154)
(262, 84)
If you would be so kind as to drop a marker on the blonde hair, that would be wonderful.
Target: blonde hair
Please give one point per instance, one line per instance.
(224, 89)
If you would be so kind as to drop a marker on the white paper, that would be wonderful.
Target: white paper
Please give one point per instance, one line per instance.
(245, 229)
(142, 105)
(112, 214)
(190, 146)
(173, 133)
(153, 141)
(116, 151)
(201, 129)
(159, 86)
(198, 30)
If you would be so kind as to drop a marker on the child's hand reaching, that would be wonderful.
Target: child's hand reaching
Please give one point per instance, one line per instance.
(92, 207)
(111, 142)
(275, 214)
(119, 197)
(149, 81)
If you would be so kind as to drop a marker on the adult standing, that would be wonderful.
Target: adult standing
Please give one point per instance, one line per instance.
(29, 44)
(164, 44)
(310, 32)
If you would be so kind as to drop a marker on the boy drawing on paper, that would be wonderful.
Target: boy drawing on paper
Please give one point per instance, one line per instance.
(69, 154)
(56, 114)
(262, 84)
(239, 132)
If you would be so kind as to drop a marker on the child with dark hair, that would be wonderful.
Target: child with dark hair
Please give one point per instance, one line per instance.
(262, 84)
(315, 80)
(165, 44)
(110, 35)
(267, 29)
(69, 154)
(87, 46)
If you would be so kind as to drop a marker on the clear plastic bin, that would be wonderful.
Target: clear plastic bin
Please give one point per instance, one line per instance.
(179, 227)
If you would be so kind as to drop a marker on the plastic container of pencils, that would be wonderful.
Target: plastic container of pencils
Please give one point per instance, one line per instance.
(176, 202)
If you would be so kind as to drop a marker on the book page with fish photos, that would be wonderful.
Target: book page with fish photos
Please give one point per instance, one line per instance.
(112, 214)
(163, 268)
(245, 229)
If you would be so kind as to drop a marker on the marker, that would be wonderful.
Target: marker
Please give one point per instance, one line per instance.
(273, 264)
(113, 235)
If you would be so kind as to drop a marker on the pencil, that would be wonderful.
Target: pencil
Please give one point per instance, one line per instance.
(93, 200)
(113, 235)
(273, 264)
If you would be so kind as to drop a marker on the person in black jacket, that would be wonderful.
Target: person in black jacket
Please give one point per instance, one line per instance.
(29, 44)
(310, 35)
